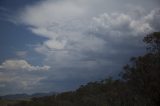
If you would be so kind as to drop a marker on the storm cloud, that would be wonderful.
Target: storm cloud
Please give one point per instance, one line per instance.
(86, 40)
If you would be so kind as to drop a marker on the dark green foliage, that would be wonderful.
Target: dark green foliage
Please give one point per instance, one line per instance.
(153, 41)
(143, 74)
(139, 86)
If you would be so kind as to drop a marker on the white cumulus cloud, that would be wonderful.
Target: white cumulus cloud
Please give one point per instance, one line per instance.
(21, 65)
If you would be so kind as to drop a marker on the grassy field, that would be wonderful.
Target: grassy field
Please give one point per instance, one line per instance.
(7, 102)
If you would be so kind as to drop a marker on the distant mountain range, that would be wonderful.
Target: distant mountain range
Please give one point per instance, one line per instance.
(25, 96)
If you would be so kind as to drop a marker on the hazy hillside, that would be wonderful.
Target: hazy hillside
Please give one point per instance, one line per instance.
(25, 96)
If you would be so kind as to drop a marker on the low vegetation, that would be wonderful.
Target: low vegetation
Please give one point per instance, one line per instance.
(8, 102)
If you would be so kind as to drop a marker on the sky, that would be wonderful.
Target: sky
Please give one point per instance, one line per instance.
(58, 45)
